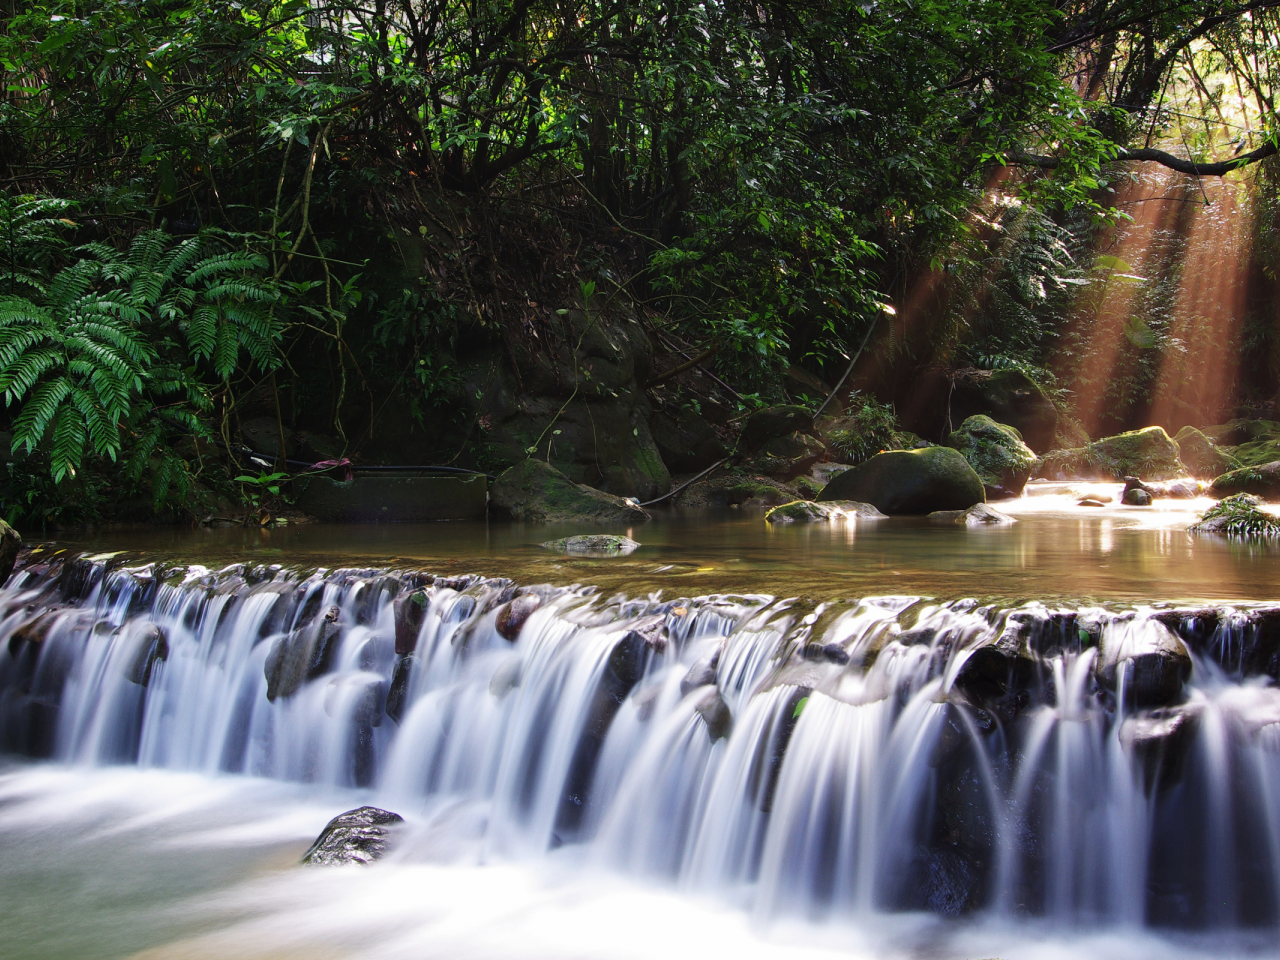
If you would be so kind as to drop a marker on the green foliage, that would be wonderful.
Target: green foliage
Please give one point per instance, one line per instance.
(864, 429)
(1239, 517)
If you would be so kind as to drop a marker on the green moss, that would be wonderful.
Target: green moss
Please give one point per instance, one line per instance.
(1202, 456)
(1238, 517)
(995, 451)
(1255, 453)
(1149, 453)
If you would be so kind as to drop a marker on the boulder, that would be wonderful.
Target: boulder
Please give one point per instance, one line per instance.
(536, 491)
(1262, 481)
(910, 482)
(686, 442)
(771, 423)
(1008, 397)
(1136, 497)
(996, 453)
(732, 490)
(593, 545)
(979, 515)
(1156, 663)
(1149, 452)
(360, 836)
(512, 618)
(408, 613)
(10, 542)
(1201, 456)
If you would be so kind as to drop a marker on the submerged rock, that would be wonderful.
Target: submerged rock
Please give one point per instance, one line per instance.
(996, 453)
(593, 545)
(536, 491)
(980, 514)
(362, 836)
(910, 482)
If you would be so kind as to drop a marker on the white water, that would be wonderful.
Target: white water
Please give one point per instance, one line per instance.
(550, 819)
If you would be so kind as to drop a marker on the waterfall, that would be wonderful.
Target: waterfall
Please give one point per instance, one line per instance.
(1089, 765)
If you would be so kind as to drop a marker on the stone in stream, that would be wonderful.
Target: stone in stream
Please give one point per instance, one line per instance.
(806, 511)
(1136, 496)
(996, 453)
(716, 715)
(537, 492)
(1155, 663)
(151, 646)
(1150, 452)
(360, 836)
(302, 655)
(702, 673)
(979, 515)
(1092, 502)
(512, 617)
(593, 545)
(910, 482)
(409, 612)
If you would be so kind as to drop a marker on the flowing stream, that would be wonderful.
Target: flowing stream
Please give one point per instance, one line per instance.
(589, 774)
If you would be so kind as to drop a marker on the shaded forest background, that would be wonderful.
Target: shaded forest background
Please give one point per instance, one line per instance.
(462, 233)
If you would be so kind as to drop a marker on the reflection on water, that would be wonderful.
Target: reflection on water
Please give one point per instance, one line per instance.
(1057, 551)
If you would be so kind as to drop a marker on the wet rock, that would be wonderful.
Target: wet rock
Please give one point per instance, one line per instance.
(536, 491)
(1090, 502)
(597, 545)
(702, 673)
(409, 612)
(996, 453)
(1159, 742)
(1136, 497)
(151, 646)
(505, 679)
(1201, 456)
(771, 423)
(910, 482)
(826, 652)
(302, 655)
(979, 515)
(511, 618)
(362, 696)
(1154, 661)
(360, 836)
(1261, 481)
(10, 543)
(804, 511)
(399, 688)
(716, 715)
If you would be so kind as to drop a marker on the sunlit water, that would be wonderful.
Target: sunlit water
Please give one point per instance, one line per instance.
(699, 764)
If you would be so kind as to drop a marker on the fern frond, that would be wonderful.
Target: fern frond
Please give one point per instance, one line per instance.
(68, 443)
(225, 350)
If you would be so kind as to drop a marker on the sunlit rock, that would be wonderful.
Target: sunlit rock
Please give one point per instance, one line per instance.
(996, 453)
(979, 515)
(593, 545)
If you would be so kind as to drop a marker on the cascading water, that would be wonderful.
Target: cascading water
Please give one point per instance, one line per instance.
(894, 753)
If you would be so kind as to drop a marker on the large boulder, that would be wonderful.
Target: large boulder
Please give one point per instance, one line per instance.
(1008, 397)
(686, 442)
(910, 482)
(536, 491)
(1149, 453)
(771, 423)
(1201, 456)
(359, 836)
(996, 453)
(1262, 481)
(10, 542)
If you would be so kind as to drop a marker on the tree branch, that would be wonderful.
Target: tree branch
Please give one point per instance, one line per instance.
(1216, 169)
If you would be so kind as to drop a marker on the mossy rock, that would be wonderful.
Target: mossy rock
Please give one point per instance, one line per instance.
(770, 423)
(1262, 481)
(979, 515)
(1254, 453)
(593, 545)
(10, 543)
(785, 458)
(538, 492)
(1006, 396)
(1202, 457)
(806, 511)
(1238, 516)
(1233, 433)
(996, 453)
(729, 490)
(1149, 453)
(910, 482)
